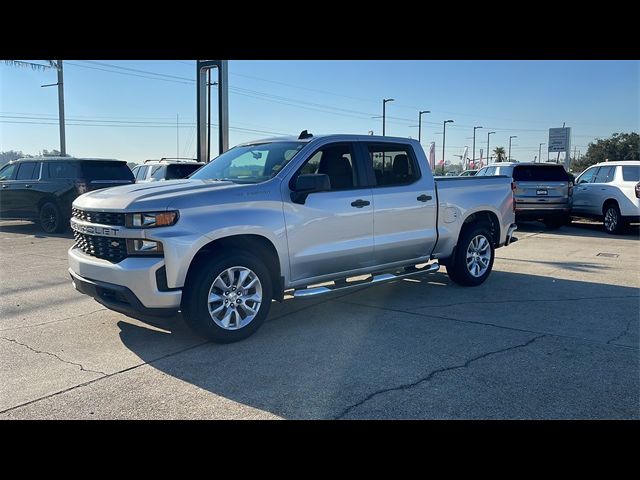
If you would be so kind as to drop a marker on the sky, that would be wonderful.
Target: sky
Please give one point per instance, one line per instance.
(129, 109)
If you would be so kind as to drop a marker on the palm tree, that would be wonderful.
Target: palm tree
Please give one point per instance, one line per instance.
(500, 154)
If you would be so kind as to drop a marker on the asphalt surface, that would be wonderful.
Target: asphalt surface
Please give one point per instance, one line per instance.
(552, 334)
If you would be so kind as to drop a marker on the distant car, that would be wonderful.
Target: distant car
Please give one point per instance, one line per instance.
(542, 191)
(165, 169)
(43, 188)
(451, 174)
(468, 173)
(609, 191)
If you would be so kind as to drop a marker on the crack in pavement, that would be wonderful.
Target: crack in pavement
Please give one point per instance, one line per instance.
(13, 340)
(433, 373)
(622, 334)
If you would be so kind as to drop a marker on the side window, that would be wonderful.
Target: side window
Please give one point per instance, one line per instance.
(7, 172)
(142, 173)
(157, 172)
(28, 171)
(336, 161)
(629, 174)
(62, 170)
(393, 164)
(603, 175)
(587, 176)
(490, 171)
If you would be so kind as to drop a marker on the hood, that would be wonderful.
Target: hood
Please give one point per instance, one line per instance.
(155, 196)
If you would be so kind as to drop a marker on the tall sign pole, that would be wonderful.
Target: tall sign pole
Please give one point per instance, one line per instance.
(63, 143)
(202, 93)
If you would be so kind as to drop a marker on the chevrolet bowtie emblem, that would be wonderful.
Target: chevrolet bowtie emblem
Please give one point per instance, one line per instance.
(115, 244)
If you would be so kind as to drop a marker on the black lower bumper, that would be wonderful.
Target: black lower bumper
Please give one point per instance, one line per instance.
(117, 297)
(542, 213)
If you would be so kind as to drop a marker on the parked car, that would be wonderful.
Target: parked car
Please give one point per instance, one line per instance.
(280, 215)
(468, 173)
(43, 188)
(610, 192)
(165, 169)
(542, 191)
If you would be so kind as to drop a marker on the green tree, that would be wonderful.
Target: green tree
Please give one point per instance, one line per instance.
(620, 146)
(500, 154)
(11, 155)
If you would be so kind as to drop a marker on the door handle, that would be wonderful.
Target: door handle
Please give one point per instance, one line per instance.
(424, 198)
(5, 186)
(360, 203)
(27, 185)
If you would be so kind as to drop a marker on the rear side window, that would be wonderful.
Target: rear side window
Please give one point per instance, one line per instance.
(141, 174)
(180, 171)
(631, 174)
(542, 173)
(504, 170)
(98, 170)
(489, 171)
(392, 164)
(28, 171)
(157, 172)
(62, 169)
(604, 175)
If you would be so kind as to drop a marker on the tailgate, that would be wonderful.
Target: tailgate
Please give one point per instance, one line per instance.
(541, 192)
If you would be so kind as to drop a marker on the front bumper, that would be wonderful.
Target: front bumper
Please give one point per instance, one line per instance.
(129, 285)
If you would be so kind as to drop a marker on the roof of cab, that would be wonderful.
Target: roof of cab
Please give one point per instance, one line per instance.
(57, 159)
(337, 137)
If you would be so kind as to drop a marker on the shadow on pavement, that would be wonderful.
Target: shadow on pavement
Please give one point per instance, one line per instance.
(29, 228)
(580, 227)
(330, 360)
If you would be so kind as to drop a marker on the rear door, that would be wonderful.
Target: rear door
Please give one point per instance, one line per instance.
(404, 205)
(102, 174)
(600, 189)
(541, 185)
(582, 190)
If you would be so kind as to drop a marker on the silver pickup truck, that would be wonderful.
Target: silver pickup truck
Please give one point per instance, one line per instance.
(300, 215)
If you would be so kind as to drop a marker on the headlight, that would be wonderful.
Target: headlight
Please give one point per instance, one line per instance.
(143, 247)
(151, 219)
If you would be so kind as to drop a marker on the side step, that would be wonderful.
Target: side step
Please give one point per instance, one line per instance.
(375, 279)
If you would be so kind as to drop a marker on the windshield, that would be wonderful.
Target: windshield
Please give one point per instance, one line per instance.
(540, 173)
(250, 163)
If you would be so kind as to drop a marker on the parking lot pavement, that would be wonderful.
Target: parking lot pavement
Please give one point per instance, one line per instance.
(552, 334)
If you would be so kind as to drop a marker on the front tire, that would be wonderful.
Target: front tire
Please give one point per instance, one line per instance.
(612, 221)
(228, 296)
(472, 261)
(50, 217)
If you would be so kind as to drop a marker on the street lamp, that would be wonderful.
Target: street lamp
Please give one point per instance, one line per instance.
(488, 151)
(384, 112)
(444, 132)
(512, 136)
(420, 123)
(473, 155)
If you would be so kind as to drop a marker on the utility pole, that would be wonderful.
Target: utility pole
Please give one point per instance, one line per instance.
(384, 112)
(540, 152)
(444, 132)
(420, 123)
(510, 137)
(489, 151)
(473, 154)
(63, 143)
(558, 159)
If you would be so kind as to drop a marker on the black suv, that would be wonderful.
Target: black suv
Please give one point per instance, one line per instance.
(43, 188)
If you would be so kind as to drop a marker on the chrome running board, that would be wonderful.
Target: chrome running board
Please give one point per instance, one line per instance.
(374, 279)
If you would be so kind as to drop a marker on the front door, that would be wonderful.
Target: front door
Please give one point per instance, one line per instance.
(7, 174)
(330, 232)
(582, 191)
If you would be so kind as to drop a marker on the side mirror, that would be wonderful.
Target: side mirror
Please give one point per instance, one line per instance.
(309, 183)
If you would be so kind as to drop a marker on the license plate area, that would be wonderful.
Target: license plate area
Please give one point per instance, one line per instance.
(542, 192)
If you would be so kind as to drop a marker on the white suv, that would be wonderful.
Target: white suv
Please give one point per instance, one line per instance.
(609, 191)
(165, 169)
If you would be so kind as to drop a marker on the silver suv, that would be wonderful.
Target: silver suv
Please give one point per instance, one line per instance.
(542, 191)
(165, 169)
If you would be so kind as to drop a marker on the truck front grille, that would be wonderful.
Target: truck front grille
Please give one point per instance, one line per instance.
(107, 248)
(102, 218)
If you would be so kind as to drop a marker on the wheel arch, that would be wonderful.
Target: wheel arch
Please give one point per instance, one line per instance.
(607, 202)
(483, 216)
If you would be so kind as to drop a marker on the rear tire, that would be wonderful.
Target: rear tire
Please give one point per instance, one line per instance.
(613, 222)
(472, 261)
(51, 220)
(215, 320)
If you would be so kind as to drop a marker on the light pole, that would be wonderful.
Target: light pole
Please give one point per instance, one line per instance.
(473, 155)
(444, 133)
(510, 137)
(540, 152)
(489, 151)
(384, 112)
(420, 123)
(60, 85)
